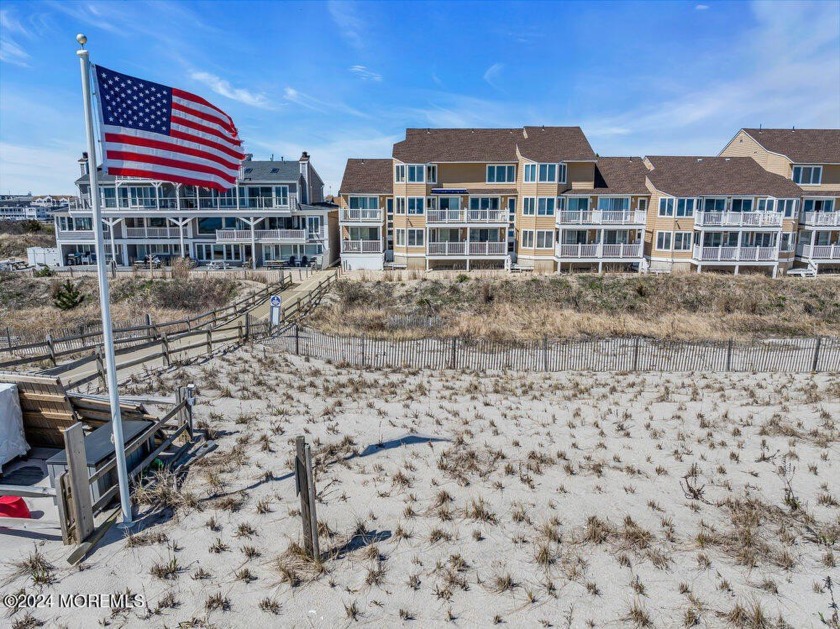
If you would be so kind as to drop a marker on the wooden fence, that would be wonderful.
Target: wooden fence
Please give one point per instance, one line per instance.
(52, 348)
(793, 355)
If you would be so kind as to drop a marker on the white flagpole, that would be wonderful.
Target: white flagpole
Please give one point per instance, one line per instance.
(104, 297)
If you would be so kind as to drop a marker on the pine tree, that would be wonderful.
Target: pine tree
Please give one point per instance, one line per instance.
(67, 296)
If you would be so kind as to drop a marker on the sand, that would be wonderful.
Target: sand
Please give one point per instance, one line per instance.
(565, 500)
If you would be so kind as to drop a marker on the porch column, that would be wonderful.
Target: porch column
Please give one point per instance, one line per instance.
(111, 224)
(813, 241)
(157, 195)
(253, 245)
(178, 196)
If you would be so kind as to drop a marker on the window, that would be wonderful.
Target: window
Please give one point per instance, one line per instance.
(742, 205)
(545, 206)
(548, 173)
(512, 207)
(807, 175)
(501, 174)
(643, 205)
(400, 237)
(714, 205)
(400, 205)
(431, 173)
(578, 204)
(431, 203)
(614, 204)
(449, 203)
(685, 207)
(281, 196)
(818, 205)
(415, 237)
(530, 173)
(561, 204)
(682, 241)
(545, 239)
(209, 225)
(389, 205)
(528, 206)
(785, 206)
(364, 203)
(484, 203)
(399, 173)
(416, 173)
(528, 238)
(663, 241)
(766, 205)
(416, 205)
(788, 241)
(666, 208)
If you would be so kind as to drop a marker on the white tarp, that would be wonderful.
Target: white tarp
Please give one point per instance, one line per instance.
(12, 440)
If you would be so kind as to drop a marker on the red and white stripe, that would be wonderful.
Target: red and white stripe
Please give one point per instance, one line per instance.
(202, 148)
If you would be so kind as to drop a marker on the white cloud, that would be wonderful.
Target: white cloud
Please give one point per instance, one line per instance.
(701, 7)
(10, 50)
(40, 170)
(365, 74)
(223, 87)
(350, 24)
(492, 75)
(315, 104)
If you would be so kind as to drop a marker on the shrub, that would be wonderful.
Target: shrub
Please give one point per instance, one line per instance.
(67, 296)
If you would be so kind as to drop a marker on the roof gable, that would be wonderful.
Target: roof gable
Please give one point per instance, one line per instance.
(372, 176)
(801, 146)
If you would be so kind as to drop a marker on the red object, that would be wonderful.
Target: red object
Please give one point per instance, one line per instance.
(13, 507)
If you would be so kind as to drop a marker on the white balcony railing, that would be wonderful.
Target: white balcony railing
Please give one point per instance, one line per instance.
(601, 217)
(821, 219)
(487, 216)
(361, 246)
(261, 235)
(488, 248)
(153, 232)
(361, 215)
(75, 234)
(445, 216)
(819, 252)
(599, 251)
(454, 248)
(735, 254)
(738, 219)
(192, 203)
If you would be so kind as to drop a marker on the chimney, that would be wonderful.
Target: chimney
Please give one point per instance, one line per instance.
(304, 172)
(83, 164)
(248, 157)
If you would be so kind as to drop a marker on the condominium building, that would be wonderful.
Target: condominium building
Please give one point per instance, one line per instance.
(275, 212)
(367, 213)
(719, 212)
(467, 198)
(810, 158)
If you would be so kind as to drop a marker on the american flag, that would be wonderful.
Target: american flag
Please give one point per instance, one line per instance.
(157, 132)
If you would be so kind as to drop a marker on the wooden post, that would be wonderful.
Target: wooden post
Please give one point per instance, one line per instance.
(150, 331)
(51, 349)
(297, 339)
(81, 505)
(454, 344)
(816, 354)
(363, 350)
(247, 325)
(190, 392)
(729, 355)
(306, 489)
(636, 354)
(545, 353)
(209, 342)
(100, 367)
(8, 337)
(165, 347)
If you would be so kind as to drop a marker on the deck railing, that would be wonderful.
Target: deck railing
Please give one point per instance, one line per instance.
(738, 219)
(601, 217)
(598, 251)
(361, 215)
(821, 219)
(735, 254)
(261, 235)
(361, 246)
(821, 252)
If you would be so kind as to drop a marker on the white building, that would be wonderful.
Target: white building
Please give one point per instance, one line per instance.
(275, 212)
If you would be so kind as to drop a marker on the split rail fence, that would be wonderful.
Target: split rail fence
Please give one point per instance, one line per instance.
(611, 354)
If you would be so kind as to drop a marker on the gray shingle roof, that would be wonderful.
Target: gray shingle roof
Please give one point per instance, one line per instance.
(373, 176)
(287, 171)
(801, 146)
(687, 176)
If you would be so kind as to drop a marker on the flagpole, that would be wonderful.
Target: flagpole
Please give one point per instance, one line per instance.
(104, 297)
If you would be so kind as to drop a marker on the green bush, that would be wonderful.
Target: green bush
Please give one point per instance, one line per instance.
(67, 296)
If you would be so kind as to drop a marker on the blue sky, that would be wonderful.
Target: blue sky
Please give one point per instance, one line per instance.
(344, 79)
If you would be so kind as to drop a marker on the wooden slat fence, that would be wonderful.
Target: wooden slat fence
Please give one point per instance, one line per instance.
(794, 355)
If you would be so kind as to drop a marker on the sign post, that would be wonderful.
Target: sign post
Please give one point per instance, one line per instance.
(276, 315)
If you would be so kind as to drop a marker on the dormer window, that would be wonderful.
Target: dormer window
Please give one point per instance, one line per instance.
(807, 175)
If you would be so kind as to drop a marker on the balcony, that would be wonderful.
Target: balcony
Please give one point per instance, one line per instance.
(818, 252)
(361, 216)
(738, 219)
(599, 251)
(602, 217)
(821, 219)
(361, 246)
(289, 236)
(463, 248)
(75, 234)
(465, 216)
(734, 254)
(154, 232)
(191, 203)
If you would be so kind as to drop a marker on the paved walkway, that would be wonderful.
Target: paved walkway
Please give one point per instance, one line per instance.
(224, 334)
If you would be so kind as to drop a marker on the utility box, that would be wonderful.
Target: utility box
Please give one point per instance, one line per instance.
(99, 449)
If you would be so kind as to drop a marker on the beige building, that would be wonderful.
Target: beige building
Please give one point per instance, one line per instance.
(724, 213)
(366, 205)
(811, 159)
